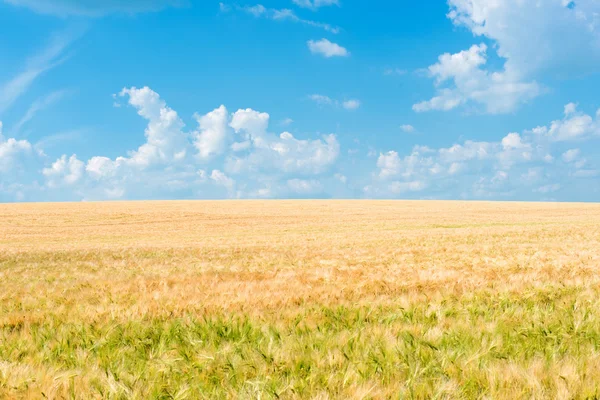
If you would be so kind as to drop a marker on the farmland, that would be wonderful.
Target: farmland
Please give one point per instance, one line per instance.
(300, 299)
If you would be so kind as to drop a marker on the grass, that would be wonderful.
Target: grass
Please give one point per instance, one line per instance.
(308, 299)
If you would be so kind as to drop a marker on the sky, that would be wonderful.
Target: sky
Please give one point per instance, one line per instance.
(190, 99)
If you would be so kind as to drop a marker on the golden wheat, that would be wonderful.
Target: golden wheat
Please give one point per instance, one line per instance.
(300, 299)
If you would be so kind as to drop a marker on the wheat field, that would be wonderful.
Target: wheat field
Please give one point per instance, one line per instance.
(300, 300)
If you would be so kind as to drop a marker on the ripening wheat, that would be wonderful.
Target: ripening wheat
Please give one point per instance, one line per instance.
(300, 299)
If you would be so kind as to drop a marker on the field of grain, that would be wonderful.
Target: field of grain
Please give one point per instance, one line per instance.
(300, 299)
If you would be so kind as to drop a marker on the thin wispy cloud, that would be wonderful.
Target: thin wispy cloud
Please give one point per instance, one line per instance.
(315, 4)
(37, 106)
(394, 72)
(286, 122)
(285, 14)
(322, 100)
(59, 138)
(51, 56)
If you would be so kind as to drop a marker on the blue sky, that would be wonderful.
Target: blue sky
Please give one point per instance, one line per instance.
(183, 99)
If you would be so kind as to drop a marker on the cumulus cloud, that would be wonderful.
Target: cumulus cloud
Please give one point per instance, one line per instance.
(493, 169)
(165, 140)
(11, 150)
(99, 167)
(461, 78)
(327, 49)
(575, 125)
(389, 164)
(211, 138)
(513, 141)
(236, 154)
(286, 154)
(531, 37)
(237, 147)
(250, 123)
(64, 171)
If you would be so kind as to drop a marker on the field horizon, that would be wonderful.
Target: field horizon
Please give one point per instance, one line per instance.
(316, 299)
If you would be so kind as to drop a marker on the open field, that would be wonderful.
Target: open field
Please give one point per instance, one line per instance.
(300, 299)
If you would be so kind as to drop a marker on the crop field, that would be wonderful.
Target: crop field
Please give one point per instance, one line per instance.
(300, 300)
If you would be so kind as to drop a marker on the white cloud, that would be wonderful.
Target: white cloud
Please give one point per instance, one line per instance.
(241, 146)
(351, 104)
(256, 10)
(315, 4)
(165, 140)
(244, 157)
(497, 92)
(531, 36)
(468, 151)
(223, 180)
(287, 122)
(586, 173)
(252, 124)
(322, 100)
(37, 106)
(407, 128)
(549, 188)
(10, 151)
(259, 11)
(64, 171)
(402, 187)
(304, 187)
(211, 139)
(56, 139)
(575, 126)
(389, 164)
(237, 155)
(512, 141)
(494, 169)
(455, 168)
(94, 8)
(101, 167)
(51, 56)
(571, 155)
(327, 49)
(500, 176)
(341, 178)
(570, 108)
(394, 71)
(287, 155)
